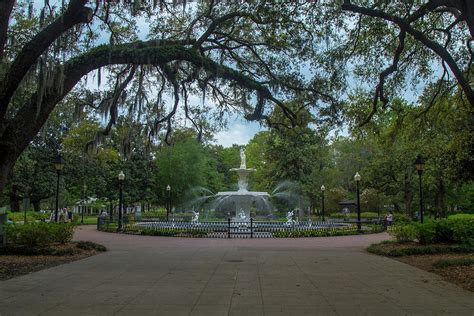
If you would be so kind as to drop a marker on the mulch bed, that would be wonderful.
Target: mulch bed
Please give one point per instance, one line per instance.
(462, 275)
(12, 265)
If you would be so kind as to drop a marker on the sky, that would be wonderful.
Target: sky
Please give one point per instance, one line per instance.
(239, 131)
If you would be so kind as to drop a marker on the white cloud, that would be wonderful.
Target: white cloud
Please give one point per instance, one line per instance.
(239, 132)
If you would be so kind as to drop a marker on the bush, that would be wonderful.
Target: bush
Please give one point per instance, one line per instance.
(445, 263)
(380, 249)
(173, 232)
(29, 235)
(89, 245)
(425, 233)
(31, 216)
(403, 233)
(39, 234)
(60, 251)
(160, 213)
(62, 233)
(444, 232)
(399, 218)
(368, 215)
(463, 231)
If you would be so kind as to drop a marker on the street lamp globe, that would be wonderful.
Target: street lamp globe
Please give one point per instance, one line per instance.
(121, 176)
(168, 188)
(357, 177)
(323, 188)
(419, 164)
(59, 163)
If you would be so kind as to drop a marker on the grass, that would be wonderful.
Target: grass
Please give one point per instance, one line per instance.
(88, 220)
(457, 262)
(461, 216)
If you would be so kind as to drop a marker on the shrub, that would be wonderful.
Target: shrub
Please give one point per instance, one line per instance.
(31, 216)
(399, 218)
(463, 231)
(443, 231)
(380, 249)
(368, 215)
(425, 232)
(89, 245)
(173, 232)
(29, 235)
(312, 233)
(404, 233)
(39, 234)
(445, 263)
(62, 233)
(60, 251)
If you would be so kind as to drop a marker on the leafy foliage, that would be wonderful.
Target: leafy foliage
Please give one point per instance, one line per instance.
(38, 235)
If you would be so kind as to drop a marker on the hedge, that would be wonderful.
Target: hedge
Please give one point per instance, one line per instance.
(39, 234)
(380, 249)
(460, 231)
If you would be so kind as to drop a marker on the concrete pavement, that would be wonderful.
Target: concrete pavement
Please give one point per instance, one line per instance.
(142, 275)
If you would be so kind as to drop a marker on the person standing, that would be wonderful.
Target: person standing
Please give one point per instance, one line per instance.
(389, 219)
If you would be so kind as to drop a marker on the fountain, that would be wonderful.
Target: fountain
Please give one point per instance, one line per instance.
(242, 200)
(237, 206)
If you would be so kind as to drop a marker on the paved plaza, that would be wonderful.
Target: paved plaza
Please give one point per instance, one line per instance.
(142, 275)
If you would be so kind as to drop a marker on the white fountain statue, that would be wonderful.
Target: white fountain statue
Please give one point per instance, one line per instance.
(289, 217)
(241, 217)
(243, 160)
(242, 199)
(195, 219)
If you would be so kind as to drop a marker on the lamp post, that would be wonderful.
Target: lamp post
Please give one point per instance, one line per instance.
(357, 180)
(121, 177)
(323, 188)
(58, 165)
(83, 202)
(420, 166)
(168, 208)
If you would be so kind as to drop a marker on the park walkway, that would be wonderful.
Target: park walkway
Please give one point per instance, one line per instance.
(142, 275)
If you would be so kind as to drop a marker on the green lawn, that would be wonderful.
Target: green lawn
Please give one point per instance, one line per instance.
(88, 220)
(461, 216)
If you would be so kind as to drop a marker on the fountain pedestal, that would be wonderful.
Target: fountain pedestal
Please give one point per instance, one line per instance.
(243, 198)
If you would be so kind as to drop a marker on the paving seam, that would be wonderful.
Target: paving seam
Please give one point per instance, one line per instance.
(314, 285)
(260, 283)
(207, 283)
(235, 281)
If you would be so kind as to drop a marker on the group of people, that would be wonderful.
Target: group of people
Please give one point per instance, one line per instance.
(65, 215)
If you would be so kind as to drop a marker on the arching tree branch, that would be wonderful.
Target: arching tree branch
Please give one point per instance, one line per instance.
(437, 48)
(379, 90)
(76, 13)
(14, 140)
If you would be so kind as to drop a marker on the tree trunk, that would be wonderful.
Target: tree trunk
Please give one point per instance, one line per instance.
(468, 13)
(396, 206)
(36, 205)
(14, 199)
(440, 199)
